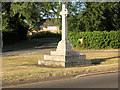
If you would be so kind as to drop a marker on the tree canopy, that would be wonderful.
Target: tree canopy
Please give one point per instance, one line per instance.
(17, 16)
(101, 16)
(97, 16)
(87, 16)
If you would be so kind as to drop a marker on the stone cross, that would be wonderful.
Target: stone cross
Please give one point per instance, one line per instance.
(64, 56)
(64, 14)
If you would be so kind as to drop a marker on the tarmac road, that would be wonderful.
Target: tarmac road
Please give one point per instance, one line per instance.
(109, 80)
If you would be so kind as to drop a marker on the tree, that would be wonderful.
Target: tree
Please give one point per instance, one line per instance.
(75, 10)
(95, 16)
(33, 12)
(100, 16)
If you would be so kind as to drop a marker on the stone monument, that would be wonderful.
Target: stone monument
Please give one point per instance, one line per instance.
(64, 56)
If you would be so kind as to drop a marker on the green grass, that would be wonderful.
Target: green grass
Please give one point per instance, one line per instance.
(26, 66)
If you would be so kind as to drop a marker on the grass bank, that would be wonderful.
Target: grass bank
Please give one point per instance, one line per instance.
(23, 69)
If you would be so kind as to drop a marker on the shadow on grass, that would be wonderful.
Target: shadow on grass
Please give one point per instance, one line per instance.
(98, 61)
(94, 62)
(42, 66)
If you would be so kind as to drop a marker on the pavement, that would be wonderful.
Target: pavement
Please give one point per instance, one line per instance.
(109, 80)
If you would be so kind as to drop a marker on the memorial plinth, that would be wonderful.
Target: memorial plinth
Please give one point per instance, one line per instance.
(64, 56)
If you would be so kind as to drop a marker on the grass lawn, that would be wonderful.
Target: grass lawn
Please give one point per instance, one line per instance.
(22, 68)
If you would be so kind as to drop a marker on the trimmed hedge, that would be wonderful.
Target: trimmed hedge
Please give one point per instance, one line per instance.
(96, 39)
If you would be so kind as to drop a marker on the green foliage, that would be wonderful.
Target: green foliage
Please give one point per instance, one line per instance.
(72, 26)
(101, 16)
(96, 16)
(16, 12)
(95, 39)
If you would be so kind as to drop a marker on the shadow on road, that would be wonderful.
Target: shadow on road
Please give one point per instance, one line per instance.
(36, 44)
(44, 47)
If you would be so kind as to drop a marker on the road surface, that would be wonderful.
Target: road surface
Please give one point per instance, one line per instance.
(109, 80)
(44, 47)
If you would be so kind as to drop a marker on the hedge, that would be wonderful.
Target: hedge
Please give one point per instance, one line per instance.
(46, 34)
(95, 39)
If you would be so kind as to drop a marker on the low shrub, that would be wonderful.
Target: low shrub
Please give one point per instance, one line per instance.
(96, 39)
(45, 35)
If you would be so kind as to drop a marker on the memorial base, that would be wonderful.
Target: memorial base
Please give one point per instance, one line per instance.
(64, 56)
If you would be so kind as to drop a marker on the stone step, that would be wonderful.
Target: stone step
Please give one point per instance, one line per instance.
(68, 53)
(65, 58)
(63, 63)
(51, 63)
(76, 58)
(54, 57)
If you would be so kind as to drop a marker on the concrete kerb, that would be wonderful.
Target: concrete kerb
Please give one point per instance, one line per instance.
(82, 75)
(96, 73)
